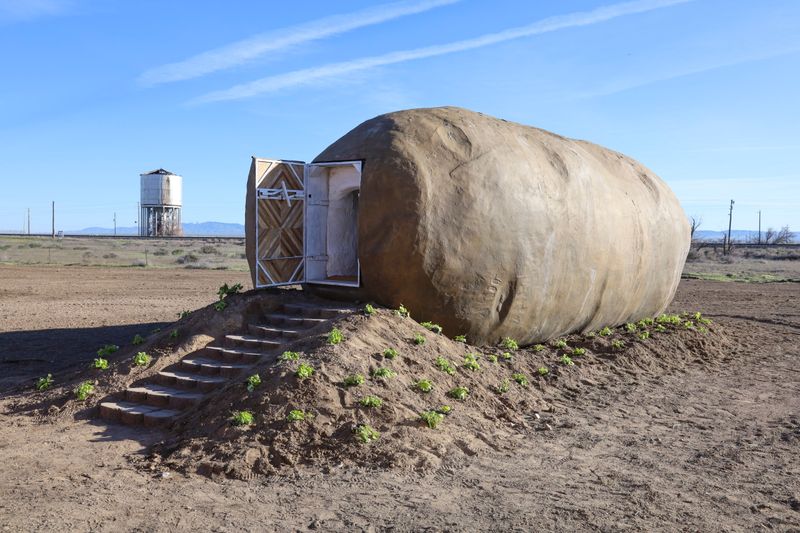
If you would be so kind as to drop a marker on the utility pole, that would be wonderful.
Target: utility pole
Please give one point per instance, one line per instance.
(730, 224)
(53, 219)
(115, 224)
(759, 226)
(29, 221)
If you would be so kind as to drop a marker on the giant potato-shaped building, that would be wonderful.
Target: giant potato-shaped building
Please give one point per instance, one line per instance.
(494, 229)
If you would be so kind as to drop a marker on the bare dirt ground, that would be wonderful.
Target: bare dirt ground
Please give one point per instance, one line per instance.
(697, 446)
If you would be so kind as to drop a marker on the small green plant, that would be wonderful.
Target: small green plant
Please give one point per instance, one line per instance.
(107, 350)
(224, 290)
(100, 363)
(84, 390)
(471, 362)
(431, 418)
(423, 385)
(253, 382)
(543, 371)
(419, 340)
(42, 384)
(335, 336)
(669, 319)
(430, 326)
(445, 410)
(578, 351)
(520, 378)
(704, 321)
(402, 311)
(561, 344)
(304, 371)
(289, 356)
(460, 338)
(645, 323)
(659, 328)
(591, 335)
(242, 418)
(688, 325)
(539, 348)
(504, 386)
(353, 380)
(459, 393)
(366, 433)
(182, 315)
(606, 332)
(384, 373)
(137, 340)
(644, 335)
(702, 329)
(173, 334)
(617, 344)
(220, 305)
(566, 360)
(390, 353)
(630, 327)
(141, 359)
(509, 344)
(370, 401)
(507, 357)
(492, 358)
(445, 366)
(369, 310)
(697, 315)
(296, 415)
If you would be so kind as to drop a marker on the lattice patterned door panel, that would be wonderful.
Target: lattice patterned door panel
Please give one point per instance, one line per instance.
(280, 209)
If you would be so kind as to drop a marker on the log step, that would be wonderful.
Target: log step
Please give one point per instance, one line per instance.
(274, 333)
(234, 355)
(162, 396)
(135, 414)
(211, 367)
(189, 380)
(280, 319)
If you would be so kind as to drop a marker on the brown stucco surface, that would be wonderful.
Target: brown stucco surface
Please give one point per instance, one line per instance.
(493, 229)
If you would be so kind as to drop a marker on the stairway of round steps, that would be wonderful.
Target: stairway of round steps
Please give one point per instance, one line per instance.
(169, 393)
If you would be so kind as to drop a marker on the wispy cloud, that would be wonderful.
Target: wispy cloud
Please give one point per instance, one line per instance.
(248, 49)
(15, 10)
(551, 24)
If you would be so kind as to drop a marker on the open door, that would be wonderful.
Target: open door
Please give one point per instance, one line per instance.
(307, 222)
(280, 222)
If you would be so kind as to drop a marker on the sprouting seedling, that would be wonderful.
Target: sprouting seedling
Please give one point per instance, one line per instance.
(509, 344)
(445, 366)
(471, 362)
(304, 371)
(431, 418)
(42, 384)
(578, 351)
(253, 382)
(419, 340)
(335, 336)
(669, 319)
(224, 290)
(370, 401)
(100, 363)
(543, 371)
(644, 335)
(242, 418)
(659, 328)
(704, 321)
(617, 344)
(137, 340)
(402, 311)
(183, 314)
(220, 305)
(173, 334)
(630, 327)
(84, 390)
(390, 353)
(289, 356)
(445, 410)
(566, 360)
(520, 378)
(459, 393)
(383, 373)
(503, 387)
(697, 315)
(353, 380)
(460, 338)
(702, 329)
(430, 326)
(369, 310)
(141, 359)
(107, 350)
(538, 347)
(492, 358)
(366, 433)
(561, 344)
(296, 415)
(688, 325)
(645, 322)
(507, 357)
(605, 332)
(423, 385)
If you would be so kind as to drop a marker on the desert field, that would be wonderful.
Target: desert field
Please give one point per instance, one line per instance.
(679, 443)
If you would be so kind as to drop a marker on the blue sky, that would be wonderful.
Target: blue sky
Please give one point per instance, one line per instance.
(704, 92)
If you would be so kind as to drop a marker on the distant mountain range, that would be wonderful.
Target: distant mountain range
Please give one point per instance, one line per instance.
(190, 229)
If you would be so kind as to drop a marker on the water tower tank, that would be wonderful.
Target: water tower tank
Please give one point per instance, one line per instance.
(161, 201)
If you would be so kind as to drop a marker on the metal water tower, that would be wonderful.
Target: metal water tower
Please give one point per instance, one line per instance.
(161, 200)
